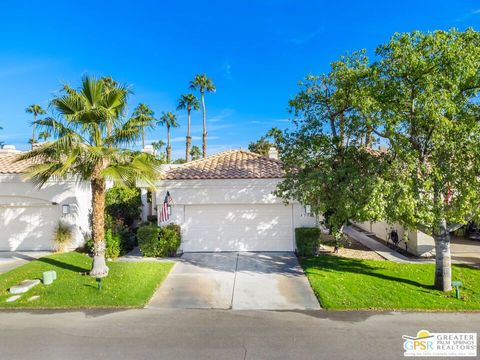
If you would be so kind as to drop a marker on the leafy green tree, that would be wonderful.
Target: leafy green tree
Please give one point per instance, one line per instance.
(157, 146)
(44, 135)
(326, 165)
(427, 109)
(168, 120)
(203, 84)
(261, 146)
(188, 102)
(195, 153)
(143, 117)
(36, 110)
(122, 204)
(89, 133)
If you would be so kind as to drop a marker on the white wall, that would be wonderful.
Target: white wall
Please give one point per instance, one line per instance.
(238, 191)
(419, 243)
(16, 191)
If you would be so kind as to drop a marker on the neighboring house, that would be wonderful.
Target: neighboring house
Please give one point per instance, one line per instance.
(29, 215)
(226, 203)
(418, 243)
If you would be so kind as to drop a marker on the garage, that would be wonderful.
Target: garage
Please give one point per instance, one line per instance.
(227, 202)
(27, 227)
(238, 227)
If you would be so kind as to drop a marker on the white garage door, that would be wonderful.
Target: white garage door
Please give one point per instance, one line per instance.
(27, 228)
(238, 228)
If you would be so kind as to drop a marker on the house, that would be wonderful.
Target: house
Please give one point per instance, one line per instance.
(29, 215)
(225, 202)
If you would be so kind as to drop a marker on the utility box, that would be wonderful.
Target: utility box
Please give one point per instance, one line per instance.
(49, 276)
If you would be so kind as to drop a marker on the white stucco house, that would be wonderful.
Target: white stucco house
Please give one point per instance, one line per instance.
(225, 202)
(29, 215)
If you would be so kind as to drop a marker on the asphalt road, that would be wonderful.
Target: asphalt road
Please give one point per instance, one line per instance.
(216, 334)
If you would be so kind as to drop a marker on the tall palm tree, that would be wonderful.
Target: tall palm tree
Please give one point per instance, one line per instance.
(83, 150)
(169, 120)
(189, 102)
(36, 110)
(203, 84)
(195, 152)
(143, 116)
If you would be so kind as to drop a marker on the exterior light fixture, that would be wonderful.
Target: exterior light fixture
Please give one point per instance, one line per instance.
(65, 209)
(308, 209)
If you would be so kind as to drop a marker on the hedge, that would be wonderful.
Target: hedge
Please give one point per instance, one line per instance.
(155, 241)
(307, 240)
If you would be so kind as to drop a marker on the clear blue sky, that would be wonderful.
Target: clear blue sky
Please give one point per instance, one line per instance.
(255, 51)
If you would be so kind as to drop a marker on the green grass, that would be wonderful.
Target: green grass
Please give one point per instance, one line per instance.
(353, 284)
(127, 285)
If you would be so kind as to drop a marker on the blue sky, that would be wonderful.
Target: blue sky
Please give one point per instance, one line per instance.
(255, 51)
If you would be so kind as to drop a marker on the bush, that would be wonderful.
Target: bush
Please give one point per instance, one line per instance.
(123, 203)
(112, 242)
(155, 241)
(63, 237)
(307, 240)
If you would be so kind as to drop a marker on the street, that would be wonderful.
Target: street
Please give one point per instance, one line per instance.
(216, 334)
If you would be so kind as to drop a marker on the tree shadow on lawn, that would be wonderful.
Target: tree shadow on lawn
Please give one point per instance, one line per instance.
(339, 264)
(63, 265)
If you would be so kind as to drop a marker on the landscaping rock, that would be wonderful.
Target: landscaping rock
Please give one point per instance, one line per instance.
(24, 286)
(32, 298)
(13, 298)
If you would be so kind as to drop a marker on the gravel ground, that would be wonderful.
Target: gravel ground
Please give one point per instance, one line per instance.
(350, 249)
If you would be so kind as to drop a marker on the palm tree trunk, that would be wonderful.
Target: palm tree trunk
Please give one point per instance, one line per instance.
(189, 138)
(33, 129)
(443, 262)
(99, 266)
(169, 149)
(204, 135)
(143, 138)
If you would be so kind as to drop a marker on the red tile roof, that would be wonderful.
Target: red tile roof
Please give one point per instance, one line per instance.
(232, 164)
(8, 165)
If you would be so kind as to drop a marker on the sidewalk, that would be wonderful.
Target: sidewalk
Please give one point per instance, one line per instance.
(136, 256)
(382, 250)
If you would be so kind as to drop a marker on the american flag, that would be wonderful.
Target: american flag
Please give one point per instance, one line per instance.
(165, 213)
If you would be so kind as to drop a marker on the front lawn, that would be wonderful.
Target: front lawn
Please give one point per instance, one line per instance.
(127, 285)
(354, 284)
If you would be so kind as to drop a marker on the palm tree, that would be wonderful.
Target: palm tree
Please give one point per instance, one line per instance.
(1, 142)
(169, 120)
(83, 150)
(202, 83)
(44, 135)
(143, 116)
(36, 110)
(189, 102)
(195, 152)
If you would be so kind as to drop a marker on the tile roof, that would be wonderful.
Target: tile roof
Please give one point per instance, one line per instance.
(8, 165)
(232, 164)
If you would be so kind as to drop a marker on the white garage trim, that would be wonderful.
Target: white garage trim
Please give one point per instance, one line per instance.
(237, 227)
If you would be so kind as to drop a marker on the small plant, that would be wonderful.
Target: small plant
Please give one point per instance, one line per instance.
(308, 241)
(63, 237)
(155, 241)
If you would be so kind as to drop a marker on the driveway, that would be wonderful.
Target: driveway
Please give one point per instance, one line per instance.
(238, 281)
(10, 260)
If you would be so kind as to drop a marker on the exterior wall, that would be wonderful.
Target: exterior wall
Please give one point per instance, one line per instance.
(16, 191)
(419, 243)
(216, 192)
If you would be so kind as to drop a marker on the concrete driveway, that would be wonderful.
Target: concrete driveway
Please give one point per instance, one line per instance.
(10, 260)
(238, 281)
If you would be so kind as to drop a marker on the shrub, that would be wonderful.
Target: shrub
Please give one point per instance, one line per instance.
(152, 219)
(63, 237)
(123, 203)
(112, 242)
(307, 240)
(148, 240)
(155, 241)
